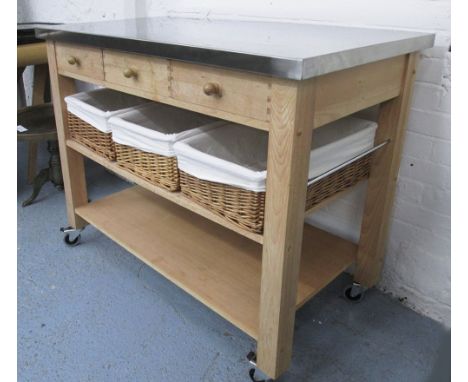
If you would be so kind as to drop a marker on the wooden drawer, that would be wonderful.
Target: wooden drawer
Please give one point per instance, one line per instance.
(78, 60)
(238, 93)
(135, 71)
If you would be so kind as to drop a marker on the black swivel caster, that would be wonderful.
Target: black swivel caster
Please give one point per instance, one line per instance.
(252, 357)
(71, 242)
(354, 292)
(252, 376)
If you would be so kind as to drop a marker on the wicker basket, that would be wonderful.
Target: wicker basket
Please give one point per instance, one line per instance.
(82, 132)
(338, 181)
(157, 169)
(246, 208)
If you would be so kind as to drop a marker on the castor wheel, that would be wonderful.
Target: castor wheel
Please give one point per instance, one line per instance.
(253, 379)
(73, 242)
(354, 292)
(252, 357)
(68, 231)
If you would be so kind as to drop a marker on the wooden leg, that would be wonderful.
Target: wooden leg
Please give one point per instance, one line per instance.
(382, 182)
(32, 161)
(72, 162)
(39, 86)
(288, 163)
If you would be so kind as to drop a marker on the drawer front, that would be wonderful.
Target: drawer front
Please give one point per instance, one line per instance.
(134, 71)
(81, 60)
(238, 93)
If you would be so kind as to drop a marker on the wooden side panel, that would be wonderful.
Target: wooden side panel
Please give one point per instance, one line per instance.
(381, 187)
(288, 163)
(240, 93)
(72, 162)
(81, 60)
(345, 92)
(148, 73)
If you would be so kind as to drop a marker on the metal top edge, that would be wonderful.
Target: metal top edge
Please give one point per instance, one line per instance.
(276, 67)
(283, 61)
(354, 57)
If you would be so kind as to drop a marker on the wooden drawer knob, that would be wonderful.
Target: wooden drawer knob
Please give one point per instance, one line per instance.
(129, 73)
(212, 89)
(72, 60)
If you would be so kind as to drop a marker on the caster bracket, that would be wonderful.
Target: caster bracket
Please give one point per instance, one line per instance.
(69, 231)
(354, 292)
(252, 358)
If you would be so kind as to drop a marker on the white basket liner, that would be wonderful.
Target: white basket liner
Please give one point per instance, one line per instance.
(97, 106)
(237, 155)
(155, 127)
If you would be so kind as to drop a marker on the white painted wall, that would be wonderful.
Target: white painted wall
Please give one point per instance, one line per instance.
(418, 255)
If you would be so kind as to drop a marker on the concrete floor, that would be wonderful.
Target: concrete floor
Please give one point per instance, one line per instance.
(96, 313)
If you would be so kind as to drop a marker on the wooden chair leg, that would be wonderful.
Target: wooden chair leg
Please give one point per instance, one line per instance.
(40, 83)
(32, 161)
(39, 87)
(39, 181)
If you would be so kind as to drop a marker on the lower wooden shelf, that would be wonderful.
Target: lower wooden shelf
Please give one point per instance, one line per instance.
(217, 266)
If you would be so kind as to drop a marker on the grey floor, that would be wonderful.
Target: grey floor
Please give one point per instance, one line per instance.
(96, 313)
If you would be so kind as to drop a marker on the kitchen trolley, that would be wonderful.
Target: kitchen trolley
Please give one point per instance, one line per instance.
(287, 79)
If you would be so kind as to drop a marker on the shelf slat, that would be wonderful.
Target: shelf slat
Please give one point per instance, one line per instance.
(213, 264)
(175, 197)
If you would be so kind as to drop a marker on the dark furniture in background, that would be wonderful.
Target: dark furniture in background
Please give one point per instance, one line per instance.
(38, 119)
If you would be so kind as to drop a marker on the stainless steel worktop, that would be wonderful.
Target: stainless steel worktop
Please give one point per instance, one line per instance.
(288, 50)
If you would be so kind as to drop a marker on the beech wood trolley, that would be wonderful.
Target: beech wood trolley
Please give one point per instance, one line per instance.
(287, 79)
